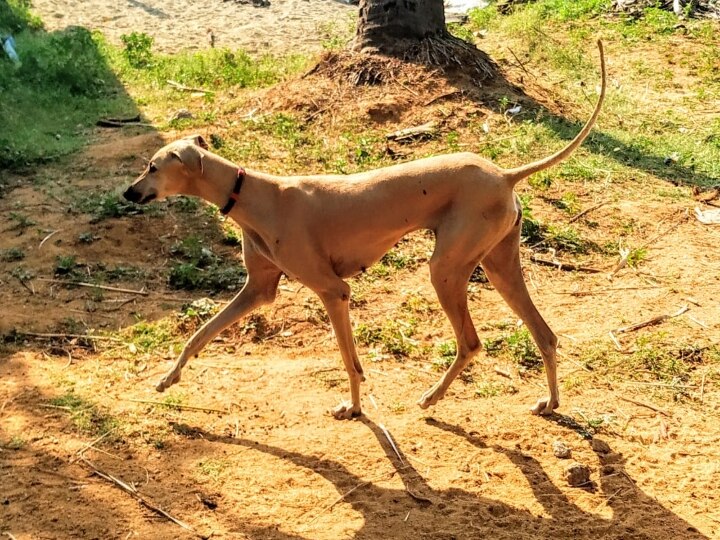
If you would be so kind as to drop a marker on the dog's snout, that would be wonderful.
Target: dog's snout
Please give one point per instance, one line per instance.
(132, 195)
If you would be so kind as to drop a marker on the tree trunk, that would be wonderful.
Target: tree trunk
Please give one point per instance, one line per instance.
(390, 26)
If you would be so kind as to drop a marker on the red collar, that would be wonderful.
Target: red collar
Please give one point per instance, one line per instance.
(232, 199)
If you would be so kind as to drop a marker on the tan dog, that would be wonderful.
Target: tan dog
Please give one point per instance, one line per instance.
(325, 228)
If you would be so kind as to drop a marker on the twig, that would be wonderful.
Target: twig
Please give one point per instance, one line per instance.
(133, 492)
(651, 322)
(564, 266)
(624, 259)
(93, 286)
(392, 443)
(520, 63)
(92, 443)
(184, 88)
(72, 336)
(48, 237)
(646, 405)
(603, 503)
(702, 387)
(9, 535)
(586, 211)
(329, 507)
(176, 405)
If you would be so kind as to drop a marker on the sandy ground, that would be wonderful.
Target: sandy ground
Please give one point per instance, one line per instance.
(297, 25)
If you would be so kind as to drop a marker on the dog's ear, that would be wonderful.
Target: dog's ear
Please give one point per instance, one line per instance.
(199, 140)
(190, 156)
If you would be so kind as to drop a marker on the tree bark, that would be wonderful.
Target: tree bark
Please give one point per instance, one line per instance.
(390, 26)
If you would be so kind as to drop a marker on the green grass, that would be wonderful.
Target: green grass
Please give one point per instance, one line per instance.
(394, 337)
(197, 267)
(13, 254)
(86, 416)
(517, 346)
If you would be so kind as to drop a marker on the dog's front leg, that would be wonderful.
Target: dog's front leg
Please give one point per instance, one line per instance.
(337, 302)
(259, 289)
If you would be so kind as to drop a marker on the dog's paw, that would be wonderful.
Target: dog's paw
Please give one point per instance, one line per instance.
(346, 411)
(545, 407)
(167, 381)
(431, 397)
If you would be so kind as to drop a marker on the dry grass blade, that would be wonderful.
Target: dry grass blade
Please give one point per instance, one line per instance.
(176, 405)
(93, 286)
(392, 443)
(70, 336)
(646, 405)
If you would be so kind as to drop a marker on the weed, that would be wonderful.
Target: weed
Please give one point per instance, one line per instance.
(21, 222)
(87, 237)
(173, 401)
(447, 351)
(137, 49)
(146, 336)
(565, 239)
(202, 269)
(106, 204)
(65, 265)
(395, 337)
(636, 256)
(86, 416)
(213, 468)
(488, 389)
(186, 205)
(16, 443)
(461, 31)
(12, 254)
(22, 274)
(518, 346)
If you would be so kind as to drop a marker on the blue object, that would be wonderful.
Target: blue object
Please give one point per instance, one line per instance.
(9, 46)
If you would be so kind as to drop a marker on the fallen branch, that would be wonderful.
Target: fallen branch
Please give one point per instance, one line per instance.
(646, 405)
(176, 405)
(183, 88)
(586, 211)
(428, 129)
(71, 336)
(93, 286)
(134, 492)
(564, 266)
(650, 322)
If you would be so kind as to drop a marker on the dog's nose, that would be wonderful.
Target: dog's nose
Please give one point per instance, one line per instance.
(132, 195)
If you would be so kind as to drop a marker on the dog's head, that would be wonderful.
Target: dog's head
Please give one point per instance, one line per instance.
(171, 171)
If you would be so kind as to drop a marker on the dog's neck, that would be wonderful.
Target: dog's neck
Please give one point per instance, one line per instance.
(217, 183)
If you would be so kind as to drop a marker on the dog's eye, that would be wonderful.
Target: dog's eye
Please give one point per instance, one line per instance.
(152, 168)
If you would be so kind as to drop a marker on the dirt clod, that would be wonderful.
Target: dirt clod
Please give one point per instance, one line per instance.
(561, 450)
(577, 474)
(600, 446)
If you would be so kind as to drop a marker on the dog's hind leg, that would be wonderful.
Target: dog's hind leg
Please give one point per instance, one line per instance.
(502, 266)
(336, 298)
(260, 288)
(450, 281)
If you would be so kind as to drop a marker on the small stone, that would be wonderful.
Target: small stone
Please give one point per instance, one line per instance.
(600, 446)
(577, 474)
(561, 450)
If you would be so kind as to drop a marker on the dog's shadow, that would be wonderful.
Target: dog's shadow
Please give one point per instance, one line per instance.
(455, 513)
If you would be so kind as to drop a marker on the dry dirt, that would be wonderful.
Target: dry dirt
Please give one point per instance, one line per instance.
(268, 461)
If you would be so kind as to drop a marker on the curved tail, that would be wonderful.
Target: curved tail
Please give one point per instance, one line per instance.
(513, 176)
